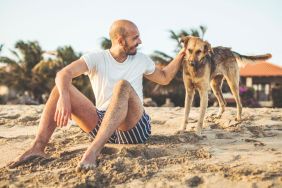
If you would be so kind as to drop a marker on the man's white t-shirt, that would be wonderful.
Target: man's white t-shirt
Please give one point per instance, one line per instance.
(104, 72)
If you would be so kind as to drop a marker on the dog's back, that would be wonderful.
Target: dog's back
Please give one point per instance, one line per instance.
(224, 58)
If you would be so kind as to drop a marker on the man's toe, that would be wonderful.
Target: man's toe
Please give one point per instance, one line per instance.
(92, 166)
(78, 168)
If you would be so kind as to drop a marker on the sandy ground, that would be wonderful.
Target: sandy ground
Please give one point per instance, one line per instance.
(228, 154)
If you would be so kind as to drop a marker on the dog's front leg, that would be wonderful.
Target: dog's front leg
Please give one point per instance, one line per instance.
(203, 107)
(187, 106)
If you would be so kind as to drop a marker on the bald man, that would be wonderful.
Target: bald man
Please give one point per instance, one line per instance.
(116, 77)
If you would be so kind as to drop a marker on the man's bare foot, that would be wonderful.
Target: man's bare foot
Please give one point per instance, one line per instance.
(28, 155)
(88, 162)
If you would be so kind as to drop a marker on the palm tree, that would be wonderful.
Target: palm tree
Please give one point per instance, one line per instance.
(29, 73)
(45, 71)
(67, 55)
(44, 74)
(17, 74)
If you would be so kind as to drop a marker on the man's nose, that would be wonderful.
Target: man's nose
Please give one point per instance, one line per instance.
(139, 41)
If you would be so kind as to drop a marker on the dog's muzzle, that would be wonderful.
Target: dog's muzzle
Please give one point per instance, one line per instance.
(193, 63)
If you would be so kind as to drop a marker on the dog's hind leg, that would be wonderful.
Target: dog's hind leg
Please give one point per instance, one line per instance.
(232, 79)
(187, 106)
(216, 85)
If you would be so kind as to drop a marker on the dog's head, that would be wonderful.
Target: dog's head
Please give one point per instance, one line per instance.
(195, 49)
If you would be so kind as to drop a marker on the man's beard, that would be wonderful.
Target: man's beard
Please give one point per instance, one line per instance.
(127, 49)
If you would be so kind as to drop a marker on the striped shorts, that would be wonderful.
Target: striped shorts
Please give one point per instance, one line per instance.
(139, 134)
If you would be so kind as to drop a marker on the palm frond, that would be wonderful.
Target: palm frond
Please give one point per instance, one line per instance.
(1, 47)
(161, 58)
(66, 55)
(15, 54)
(203, 30)
(106, 43)
(183, 33)
(7, 60)
(173, 35)
(194, 32)
(162, 54)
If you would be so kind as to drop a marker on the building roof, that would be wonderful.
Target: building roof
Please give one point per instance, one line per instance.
(263, 69)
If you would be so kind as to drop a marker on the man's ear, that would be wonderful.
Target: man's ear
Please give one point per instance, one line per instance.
(121, 41)
(208, 48)
(184, 40)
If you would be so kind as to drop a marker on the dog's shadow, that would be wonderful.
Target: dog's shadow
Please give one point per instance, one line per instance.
(183, 137)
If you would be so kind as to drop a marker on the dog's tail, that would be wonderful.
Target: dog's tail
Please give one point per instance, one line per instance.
(243, 60)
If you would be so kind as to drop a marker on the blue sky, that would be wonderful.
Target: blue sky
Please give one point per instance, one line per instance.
(248, 26)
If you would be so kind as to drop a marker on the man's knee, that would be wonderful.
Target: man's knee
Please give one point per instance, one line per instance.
(122, 86)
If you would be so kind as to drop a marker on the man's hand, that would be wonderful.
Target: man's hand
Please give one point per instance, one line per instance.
(182, 52)
(63, 111)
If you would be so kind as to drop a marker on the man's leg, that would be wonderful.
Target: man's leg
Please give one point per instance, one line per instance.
(83, 113)
(123, 113)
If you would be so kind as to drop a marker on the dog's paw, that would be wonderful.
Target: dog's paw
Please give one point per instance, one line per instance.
(199, 131)
(218, 116)
(211, 117)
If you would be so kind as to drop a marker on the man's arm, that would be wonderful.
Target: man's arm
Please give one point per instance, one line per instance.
(63, 82)
(165, 75)
(64, 77)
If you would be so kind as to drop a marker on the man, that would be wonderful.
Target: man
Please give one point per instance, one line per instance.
(116, 77)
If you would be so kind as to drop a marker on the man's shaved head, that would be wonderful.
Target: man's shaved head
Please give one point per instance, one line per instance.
(121, 28)
(125, 37)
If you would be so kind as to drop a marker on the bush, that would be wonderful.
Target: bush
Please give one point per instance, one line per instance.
(247, 97)
(277, 97)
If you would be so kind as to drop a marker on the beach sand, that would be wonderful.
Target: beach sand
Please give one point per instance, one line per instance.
(228, 154)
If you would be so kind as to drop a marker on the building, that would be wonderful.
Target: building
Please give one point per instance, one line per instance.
(262, 77)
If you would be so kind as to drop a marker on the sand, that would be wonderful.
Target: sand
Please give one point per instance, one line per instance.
(228, 154)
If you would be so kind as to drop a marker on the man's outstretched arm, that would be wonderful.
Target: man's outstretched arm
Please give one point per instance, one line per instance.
(165, 75)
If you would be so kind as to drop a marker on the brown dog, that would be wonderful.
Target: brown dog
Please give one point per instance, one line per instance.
(204, 66)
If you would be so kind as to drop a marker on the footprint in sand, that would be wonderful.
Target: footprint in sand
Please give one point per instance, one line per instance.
(222, 136)
(144, 152)
(180, 137)
(9, 116)
(256, 142)
(257, 132)
(110, 150)
(194, 181)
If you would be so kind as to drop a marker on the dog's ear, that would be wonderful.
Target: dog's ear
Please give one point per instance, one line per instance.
(184, 40)
(208, 48)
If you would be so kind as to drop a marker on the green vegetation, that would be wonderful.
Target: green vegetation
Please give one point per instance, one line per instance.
(29, 74)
